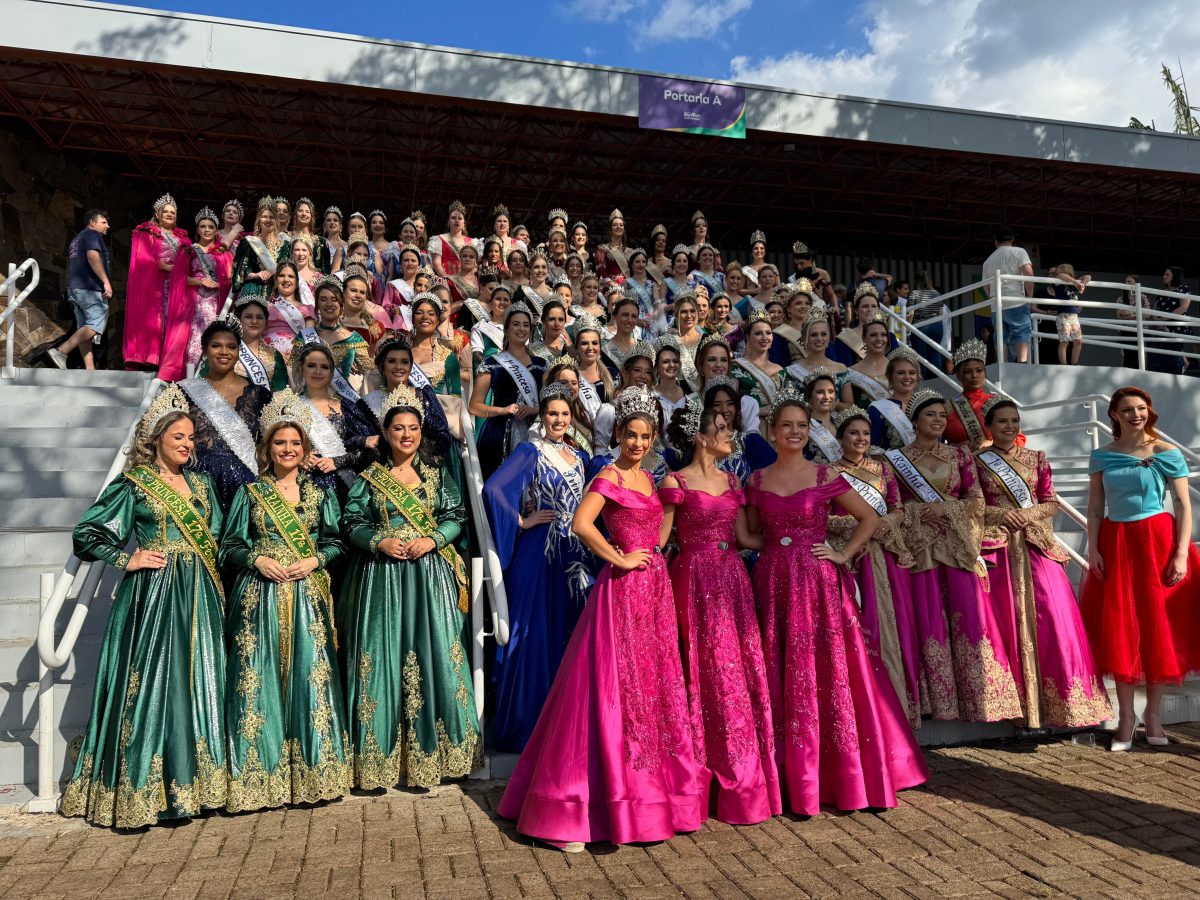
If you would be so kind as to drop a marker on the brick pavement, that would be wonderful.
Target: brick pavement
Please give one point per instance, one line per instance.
(1010, 820)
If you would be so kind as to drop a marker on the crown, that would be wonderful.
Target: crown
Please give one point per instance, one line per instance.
(488, 271)
(657, 230)
(171, 400)
(266, 203)
(757, 237)
(284, 201)
(644, 349)
(559, 389)
(873, 318)
(357, 215)
(236, 204)
(499, 210)
(403, 395)
(990, 403)
(800, 249)
(407, 220)
(285, 406)
(164, 200)
(586, 322)
(559, 281)
(722, 381)
(457, 206)
(920, 398)
(393, 340)
(905, 352)
(307, 200)
(681, 248)
(557, 213)
(329, 281)
(757, 315)
(246, 298)
(501, 285)
(815, 375)
(686, 294)
(786, 395)
(354, 270)
(669, 342)
(334, 209)
(493, 239)
(802, 286)
(564, 360)
(207, 213)
(377, 212)
(841, 417)
(539, 253)
(708, 341)
(866, 288)
(428, 297)
(972, 349)
(306, 239)
(691, 411)
(417, 216)
(815, 317)
(616, 214)
(635, 401)
(233, 323)
(579, 224)
(698, 215)
(635, 251)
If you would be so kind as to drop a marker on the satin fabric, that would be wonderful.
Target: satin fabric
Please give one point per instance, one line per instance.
(182, 328)
(146, 294)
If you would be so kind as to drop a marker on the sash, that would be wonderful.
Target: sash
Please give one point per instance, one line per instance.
(343, 387)
(225, 420)
(521, 376)
(1014, 485)
(291, 315)
(769, 388)
(869, 385)
(853, 340)
(193, 528)
(325, 438)
(255, 370)
(896, 418)
(265, 257)
(374, 400)
(589, 396)
(421, 518)
(417, 377)
(617, 256)
(825, 440)
(970, 420)
(798, 371)
(207, 264)
(912, 477)
(450, 250)
(868, 492)
(492, 331)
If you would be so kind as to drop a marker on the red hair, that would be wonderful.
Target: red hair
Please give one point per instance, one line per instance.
(1123, 393)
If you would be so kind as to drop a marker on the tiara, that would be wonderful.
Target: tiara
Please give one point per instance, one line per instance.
(841, 417)
(686, 294)
(416, 215)
(635, 251)
(817, 374)
(164, 200)
(501, 285)
(457, 206)
(705, 245)
(354, 270)
(698, 215)
(905, 352)
(920, 398)
(171, 400)
(681, 248)
(972, 349)
(330, 281)
(800, 249)
(635, 401)
(539, 253)
(236, 204)
(559, 389)
(377, 212)
(657, 230)
(786, 395)
(487, 271)
(873, 318)
(866, 288)
(305, 239)
(266, 203)
(557, 213)
(403, 395)
(307, 200)
(802, 286)
(427, 296)
(207, 213)
(285, 406)
(709, 340)
(393, 341)
(284, 201)
(990, 403)
(357, 215)
(579, 224)
(616, 214)
(669, 342)
(757, 237)
(499, 210)
(757, 315)
(333, 209)
(246, 298)
(559, 281)
(564, 360)
(815, 317)
(644, 349)
(692, 409)
(230, 321)
(408, 221)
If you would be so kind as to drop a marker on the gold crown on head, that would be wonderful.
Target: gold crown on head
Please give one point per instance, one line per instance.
(815, 375)
(866, 288)
(972, 349)
(698, 215)
(657, 230)
(266, 203)
(171, 400)
(403, 395)
(873, 318)
(921, 398)
(802, 286)
(236, 204)
(815, 316)
(499, 210)
(616, 214)
(457, 206)
(635, 401)
(799, 248)
(757, 315)
(758, 237)
(285, 406)
(841, 417)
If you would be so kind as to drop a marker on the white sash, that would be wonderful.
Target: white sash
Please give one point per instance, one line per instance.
(374, 401)
(870, 386)
(868, 492)
(325, 438)
(255, 370)
(797, 371)
(266, 258)
(765, 381)
(825, 441)
(476, 309)
(1014, 484)
(492, 331)
(417, 377)
(291, 315)
(589, 396)
(229, 424)
(521, 376)
(912, 477)
(896, 418)
(343, 387)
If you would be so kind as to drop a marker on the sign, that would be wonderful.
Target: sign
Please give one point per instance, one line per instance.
(694, 107)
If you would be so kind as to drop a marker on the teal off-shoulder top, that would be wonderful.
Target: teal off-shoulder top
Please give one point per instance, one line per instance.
(1136, 488)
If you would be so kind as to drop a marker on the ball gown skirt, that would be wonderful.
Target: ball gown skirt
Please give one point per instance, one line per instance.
(890, 622)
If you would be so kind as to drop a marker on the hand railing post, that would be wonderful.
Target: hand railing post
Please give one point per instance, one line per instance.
(1141, 326)
(11, 333)
(46, 800)
(998, 326)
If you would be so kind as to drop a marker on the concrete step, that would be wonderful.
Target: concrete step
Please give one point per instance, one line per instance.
(38, 483)
(43, 512)
(19, 660)
(45, 547)
(104, 440)
(92, 395)
(54, 459)
(48, 418)
(21, 585)
(79, 378)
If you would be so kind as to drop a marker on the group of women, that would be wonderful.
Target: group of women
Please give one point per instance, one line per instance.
(742, 568)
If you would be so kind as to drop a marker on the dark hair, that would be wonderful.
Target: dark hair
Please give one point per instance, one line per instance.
(357, 242)
(1121, 394)
(1003, 233)
(811, 386)
(624, 301)
(555, 304)
(928, 401)
(710, 396)
(518, 311)
(286, 265)
(678, 437)
(863, 266)
(414, 251)
(579, 413)
(219, 327)
(425, 301)
(845, 423)
(425, 451)
(1176, 277)
(899, 283)
(882, 324)
(387, 346)
(999, 404)
(93, 214)
(924, 279)
(330, 286)
(550, 398)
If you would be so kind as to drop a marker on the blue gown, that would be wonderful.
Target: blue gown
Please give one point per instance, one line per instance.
(548, 572)
(750, 454)
(882, 434)
(498, 436)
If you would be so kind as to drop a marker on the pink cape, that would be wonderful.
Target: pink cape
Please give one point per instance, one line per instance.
(145, 295)
(181, 306)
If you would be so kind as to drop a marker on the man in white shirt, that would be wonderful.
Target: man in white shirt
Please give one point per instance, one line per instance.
(1018, 321)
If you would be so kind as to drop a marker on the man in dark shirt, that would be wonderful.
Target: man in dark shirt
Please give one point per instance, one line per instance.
(88, 289)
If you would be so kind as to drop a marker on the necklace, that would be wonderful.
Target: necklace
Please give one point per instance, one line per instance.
(325, 327)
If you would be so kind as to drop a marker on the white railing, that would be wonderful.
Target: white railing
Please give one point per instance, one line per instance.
(8, 287)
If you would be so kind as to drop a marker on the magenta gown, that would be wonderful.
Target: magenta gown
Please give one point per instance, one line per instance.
(612, 757)
(722, 655)
(841, 735)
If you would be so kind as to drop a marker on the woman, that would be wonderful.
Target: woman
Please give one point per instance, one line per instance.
(719, 321)
(225, 409)
(866, 380)
(517, 261)
(357, 227)
(404, 288)
(1139, 596)
(891, 429)
(815, 341)
(444, 249)
(575, 272)
(501, 224)
(363, 315)
(759, 378)
(658, 249)
(530, 502)
(595, 382)
(882, 573)
(258, 361)
(799, 304)
(306, 226)
(713, 359)
(464, 284)
(612, 259)
(283, 214)
(637, 370)
(350, 351)
(286, 722)
(487, 335)
(841, 737)
(557, 250)
(290, 310)
(590, 302)
(335, 244)
(750, 451)
(648, 293)
(579, 433)
(677, 285)
(514, 378)
(700, 237)
(156, 244)
(578, 242)
(386, 249)
(820, 392)
(687, 329)
(668, 364)
(302, 257)
(850, 346)
(232, 214)
(968, 674)
(706, 273)
(539, 275)
(199, 286)
(611, 757)
(552, 341)
(154, 748)
(1177, 303)
(436, 361)
(1060, 685)
(403, 605)
(722, 649)
(491, 255)
(340, 427)
(624, 314)
(758, 259)
(258, 255)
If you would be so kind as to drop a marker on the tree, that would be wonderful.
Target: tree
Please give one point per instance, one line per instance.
(1185, 114)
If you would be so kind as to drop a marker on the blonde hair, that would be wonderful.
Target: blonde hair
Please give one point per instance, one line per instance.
(1065, 269)
(144, 448)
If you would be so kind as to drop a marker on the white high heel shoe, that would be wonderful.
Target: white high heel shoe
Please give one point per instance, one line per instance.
(1157, 740)
(1117, 746)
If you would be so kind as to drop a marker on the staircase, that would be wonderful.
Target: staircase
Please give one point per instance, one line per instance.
(59, 433)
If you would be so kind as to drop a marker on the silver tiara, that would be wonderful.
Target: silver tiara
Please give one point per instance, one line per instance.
(817, 374)
(788, 394)
(635, 401)
(207, 213)
(843, 416)
(333, 209)
(559, 389)
(722, 381)
(236, 204)
(585, 322)
(429, 297)
(972, 349)
(164, 200)
(377, 212)
(692, 409)
(669, 342)
(558, 214)
(990, 403)
(644, 349)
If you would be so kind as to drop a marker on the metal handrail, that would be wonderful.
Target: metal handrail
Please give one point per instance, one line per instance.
(9, 315)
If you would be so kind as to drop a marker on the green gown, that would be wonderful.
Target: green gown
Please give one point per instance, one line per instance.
(154, 748)
(408, 683)
(284, 708)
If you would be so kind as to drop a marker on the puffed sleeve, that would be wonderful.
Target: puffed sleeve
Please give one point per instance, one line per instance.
(103, 532)
(450, 513)
(968, 485)
(502, 498)
(1045, 482)
(358, 519)
(329, 535)
(237, 544)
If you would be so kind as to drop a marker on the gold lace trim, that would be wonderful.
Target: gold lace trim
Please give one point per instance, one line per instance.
(1078, 708)
(986, 690)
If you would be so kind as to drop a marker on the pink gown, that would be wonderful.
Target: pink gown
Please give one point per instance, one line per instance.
(722, 655)
(147, 293)
(841, 736)
(611, 757)
(280, 334)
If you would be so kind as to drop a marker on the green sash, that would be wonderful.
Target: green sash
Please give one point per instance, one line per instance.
(193, 528)
(421, 518)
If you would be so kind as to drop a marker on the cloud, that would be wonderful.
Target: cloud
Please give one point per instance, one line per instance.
(669, 20)
(1076, 60)
(601, 10)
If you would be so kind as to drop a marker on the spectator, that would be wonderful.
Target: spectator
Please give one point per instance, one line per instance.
(1159, 362)
(806, 267)
(865, 269)
(88, 289)
(925, 313)
(1129, 298)
(1018, 321)
(1066, 318)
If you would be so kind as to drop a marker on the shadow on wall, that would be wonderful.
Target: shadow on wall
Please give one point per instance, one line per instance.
(146, 43)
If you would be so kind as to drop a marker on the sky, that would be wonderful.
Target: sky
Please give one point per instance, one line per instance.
(1076, 60)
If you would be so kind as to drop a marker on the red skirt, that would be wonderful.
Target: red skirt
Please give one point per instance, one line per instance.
(1141, 629)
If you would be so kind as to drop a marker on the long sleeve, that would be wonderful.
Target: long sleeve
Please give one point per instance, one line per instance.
(279, 378)
(358, 522)
(450, 513)
(237, 544)
(216, 517)
(329, 536)
(103, 532)
(360, 425)
(502, 497)
(244, 263)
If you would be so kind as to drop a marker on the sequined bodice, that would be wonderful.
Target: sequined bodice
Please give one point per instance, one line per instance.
(632, 519)
(800, 519)
(247, 408)
(702, 518)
